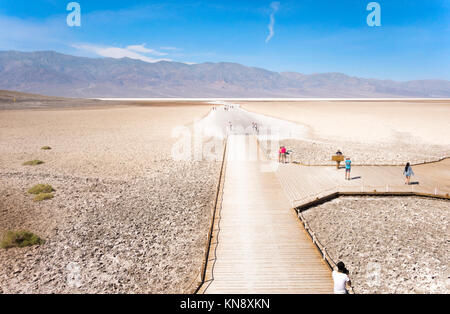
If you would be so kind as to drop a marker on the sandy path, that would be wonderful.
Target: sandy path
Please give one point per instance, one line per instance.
(218, 123)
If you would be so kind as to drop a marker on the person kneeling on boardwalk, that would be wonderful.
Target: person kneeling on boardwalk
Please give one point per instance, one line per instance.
(348, 168)
(341, 279)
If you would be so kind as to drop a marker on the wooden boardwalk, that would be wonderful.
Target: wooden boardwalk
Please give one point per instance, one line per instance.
(305, 183)
(258, 244)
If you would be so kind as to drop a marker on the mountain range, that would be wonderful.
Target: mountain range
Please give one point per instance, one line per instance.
(56, 74)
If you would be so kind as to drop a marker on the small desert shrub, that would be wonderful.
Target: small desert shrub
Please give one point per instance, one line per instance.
(33, 163)
(46, 148)
(43, 197)
(41, 188)
(20, 239)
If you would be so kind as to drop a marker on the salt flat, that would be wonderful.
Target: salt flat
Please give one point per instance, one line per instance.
(370, 132)
(126, 217)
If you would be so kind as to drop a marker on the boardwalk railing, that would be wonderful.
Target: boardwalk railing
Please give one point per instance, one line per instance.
(196, 284)
(369, 190)
(273, 155)
(322, 249)
(388, 163)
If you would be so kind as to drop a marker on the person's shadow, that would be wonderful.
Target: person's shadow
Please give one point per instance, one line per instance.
(414, 183)
(356, 178)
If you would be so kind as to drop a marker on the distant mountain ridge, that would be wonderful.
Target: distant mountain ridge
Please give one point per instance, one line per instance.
(56, 74)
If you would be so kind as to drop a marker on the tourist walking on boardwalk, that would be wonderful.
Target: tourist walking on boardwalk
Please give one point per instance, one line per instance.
(408, 172)
(341, 279)
(282, 154)
(348, 168)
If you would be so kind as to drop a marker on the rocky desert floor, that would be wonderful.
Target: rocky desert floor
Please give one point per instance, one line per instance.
(369, 132)
(389, 245)
(126, 216)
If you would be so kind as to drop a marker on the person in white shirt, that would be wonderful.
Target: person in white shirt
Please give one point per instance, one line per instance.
(341, 279)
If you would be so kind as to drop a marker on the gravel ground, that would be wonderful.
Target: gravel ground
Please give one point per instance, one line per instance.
(136, 236)
(389, 245)
(125, 218)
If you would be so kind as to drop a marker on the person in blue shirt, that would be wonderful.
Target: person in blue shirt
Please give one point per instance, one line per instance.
(348, 168)
(408, 172)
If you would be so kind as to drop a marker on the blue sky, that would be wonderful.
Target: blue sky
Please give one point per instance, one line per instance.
(309, 36)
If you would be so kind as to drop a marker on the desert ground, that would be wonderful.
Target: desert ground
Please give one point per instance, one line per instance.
(125, 218)
(128, 217)
(389, 245)
(369, 132)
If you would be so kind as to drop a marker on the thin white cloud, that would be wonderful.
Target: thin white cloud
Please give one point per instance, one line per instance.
(168, 48)
(143, 49)
(131, 52)
(275, 7)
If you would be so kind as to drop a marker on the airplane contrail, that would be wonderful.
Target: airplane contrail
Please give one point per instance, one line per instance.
(275, 6)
